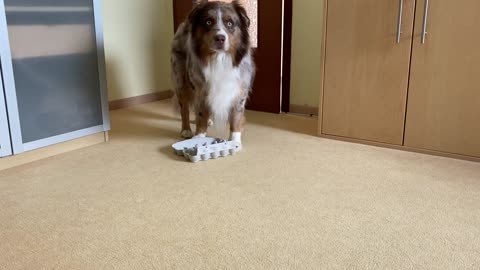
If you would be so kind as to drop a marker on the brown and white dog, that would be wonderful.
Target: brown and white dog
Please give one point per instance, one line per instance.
(212, 67)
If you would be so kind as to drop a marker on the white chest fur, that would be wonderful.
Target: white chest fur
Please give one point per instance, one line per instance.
(223, 82)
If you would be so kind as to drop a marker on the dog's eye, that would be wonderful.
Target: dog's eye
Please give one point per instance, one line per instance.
(229, 23)
(209, 22)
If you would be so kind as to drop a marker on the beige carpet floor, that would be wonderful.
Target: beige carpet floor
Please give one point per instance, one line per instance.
(289, 200)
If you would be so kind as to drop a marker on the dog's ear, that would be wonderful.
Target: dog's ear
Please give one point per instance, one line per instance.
(197, 5)
(242, 13)
(244, 46)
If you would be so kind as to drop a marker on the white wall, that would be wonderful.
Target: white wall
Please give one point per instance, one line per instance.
(306, 52)
(137, 46)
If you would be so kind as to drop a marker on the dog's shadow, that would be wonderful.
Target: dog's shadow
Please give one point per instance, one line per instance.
(139, 123)
(168, 151)
(149, 123)
(134, 123)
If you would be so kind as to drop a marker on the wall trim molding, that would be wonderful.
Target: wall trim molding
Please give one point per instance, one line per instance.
(401, 148)
(28, 157)
(131, 101)
(303, 109)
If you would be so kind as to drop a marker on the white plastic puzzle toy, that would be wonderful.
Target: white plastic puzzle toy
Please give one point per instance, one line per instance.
(202, 149)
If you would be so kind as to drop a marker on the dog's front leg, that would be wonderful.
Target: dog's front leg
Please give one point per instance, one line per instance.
(184, 102)
(202, 119)
(237, 121)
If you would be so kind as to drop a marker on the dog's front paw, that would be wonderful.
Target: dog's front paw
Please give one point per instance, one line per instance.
(237, 137)
(187, 134)
(238, 148)
(200, 135)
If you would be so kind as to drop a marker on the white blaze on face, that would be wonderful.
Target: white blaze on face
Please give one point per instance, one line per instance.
(220, 29)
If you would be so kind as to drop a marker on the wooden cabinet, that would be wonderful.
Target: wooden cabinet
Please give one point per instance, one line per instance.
(366, 69)
(443, 111)
(403, 92)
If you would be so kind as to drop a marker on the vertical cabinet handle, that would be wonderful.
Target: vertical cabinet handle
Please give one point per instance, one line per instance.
(399, 23)
(425, 19)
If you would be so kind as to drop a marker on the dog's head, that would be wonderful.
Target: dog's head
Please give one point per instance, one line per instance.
(220, 27)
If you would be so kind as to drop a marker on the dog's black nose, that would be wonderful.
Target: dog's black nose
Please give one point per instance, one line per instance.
(220, 39)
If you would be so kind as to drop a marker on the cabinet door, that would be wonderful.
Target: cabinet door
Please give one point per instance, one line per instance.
(5, 146)
(366, 70)
(54, 80)
(443, 111)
